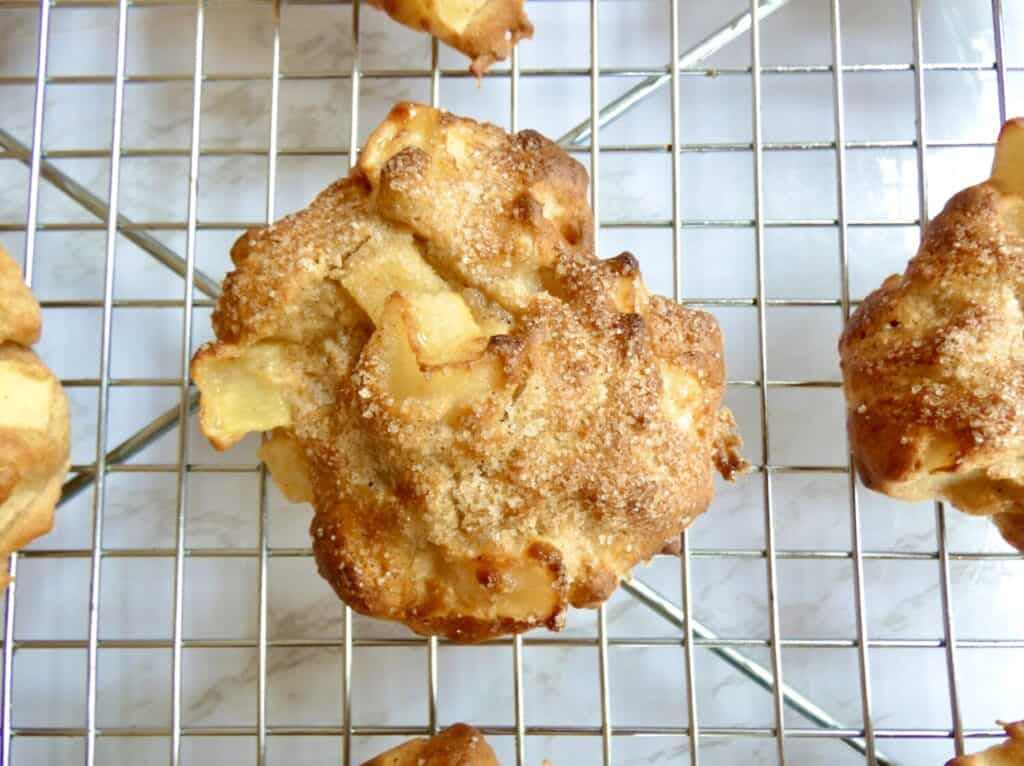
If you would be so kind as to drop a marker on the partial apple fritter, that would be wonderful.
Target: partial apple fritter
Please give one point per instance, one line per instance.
(458, 745)
(491, 423)
(933, 361)
(485, 30)
(35, 437)
(1009, 752)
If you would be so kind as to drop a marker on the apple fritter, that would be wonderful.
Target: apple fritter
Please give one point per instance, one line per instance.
(458, 745)
(1009, 752)
(933, 361)
(34, 425)
(485, 30)
(490, 423)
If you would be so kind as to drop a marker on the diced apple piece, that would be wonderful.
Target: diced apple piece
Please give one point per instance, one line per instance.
(442, 326)
(444, 388)
(517, 586)
(458, 138)
(376, 270)
(287, 463)
(455, 13)
(407, 125)
(627, 286)
(624, 294)
(31, 392)
(443, 329)
(490, 317)
(1008, 168)
(680, 391)
(242, 394)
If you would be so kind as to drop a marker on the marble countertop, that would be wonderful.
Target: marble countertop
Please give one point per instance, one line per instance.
(812, 508)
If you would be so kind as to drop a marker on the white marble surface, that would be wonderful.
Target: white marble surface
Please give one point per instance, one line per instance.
(647, 686)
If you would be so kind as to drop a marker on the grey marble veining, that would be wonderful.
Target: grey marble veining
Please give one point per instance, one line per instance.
(811, 510)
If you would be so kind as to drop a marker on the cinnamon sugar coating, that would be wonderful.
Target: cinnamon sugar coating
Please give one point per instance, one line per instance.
(491, 423)
(933, 361)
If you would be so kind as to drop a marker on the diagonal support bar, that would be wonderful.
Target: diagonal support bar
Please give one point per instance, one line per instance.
(99, 208)
(169, 419)
(691, 58)
(748, 667)
(129, 447)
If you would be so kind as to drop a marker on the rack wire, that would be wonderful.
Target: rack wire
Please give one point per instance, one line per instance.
(583, 140)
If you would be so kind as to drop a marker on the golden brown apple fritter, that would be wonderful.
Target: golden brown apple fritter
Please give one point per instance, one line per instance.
(933, 361)
(491, 423)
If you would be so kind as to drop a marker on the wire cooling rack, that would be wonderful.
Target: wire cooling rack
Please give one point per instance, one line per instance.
(757, 660)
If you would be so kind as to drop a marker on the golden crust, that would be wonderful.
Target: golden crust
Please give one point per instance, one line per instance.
(458, 745)
(34, 424)
(933, 361)
(1010, 752)
(491, 423)
(485, 30)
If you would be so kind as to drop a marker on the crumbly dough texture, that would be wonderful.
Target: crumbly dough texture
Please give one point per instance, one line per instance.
(485, 30)
(1009, 752)
(491, 423)
(459, 745)
(34, 425)
(933, 361)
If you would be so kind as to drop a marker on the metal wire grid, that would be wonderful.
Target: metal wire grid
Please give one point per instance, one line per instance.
(692, 633)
